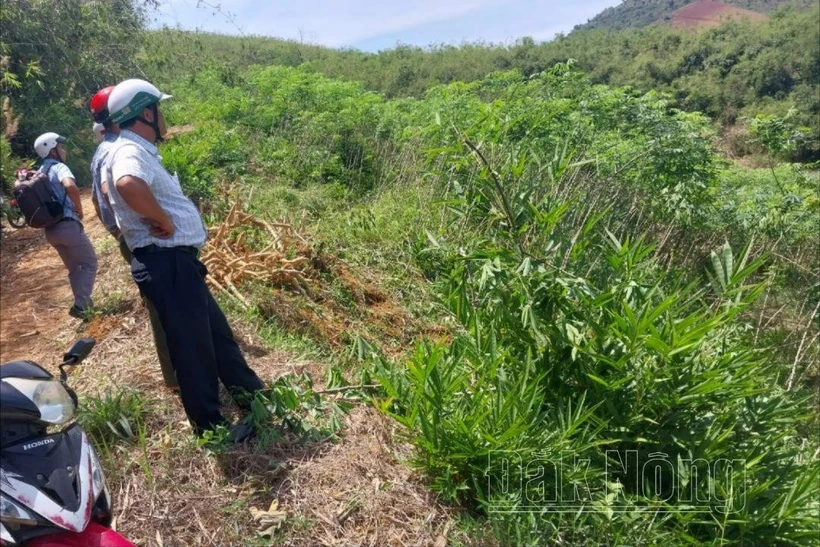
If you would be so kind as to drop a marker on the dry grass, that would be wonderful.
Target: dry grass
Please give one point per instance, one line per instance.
(270, 266)
(359, 493)
(170, 492)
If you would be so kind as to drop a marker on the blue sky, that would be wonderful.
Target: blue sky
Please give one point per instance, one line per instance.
(371, 25)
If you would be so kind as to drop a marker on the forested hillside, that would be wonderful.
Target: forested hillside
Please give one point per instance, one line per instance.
(641, 13)
(732, 73)
(546, 294)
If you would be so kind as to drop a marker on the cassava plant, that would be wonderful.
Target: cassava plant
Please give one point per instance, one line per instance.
(588, 387)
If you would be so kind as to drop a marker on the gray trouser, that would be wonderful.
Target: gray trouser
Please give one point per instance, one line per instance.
(156, 327)
(77, 253)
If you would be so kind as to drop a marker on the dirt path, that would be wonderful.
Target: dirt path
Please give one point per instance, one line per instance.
(34, 290)
(167, 490)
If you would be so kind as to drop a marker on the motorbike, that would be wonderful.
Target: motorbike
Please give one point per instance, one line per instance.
(12, 212)
(52, 487)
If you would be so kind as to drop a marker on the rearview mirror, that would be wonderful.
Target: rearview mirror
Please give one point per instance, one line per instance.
(79, 351)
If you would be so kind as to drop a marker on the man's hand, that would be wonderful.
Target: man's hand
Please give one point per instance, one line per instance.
(74, 194)
(161, 230)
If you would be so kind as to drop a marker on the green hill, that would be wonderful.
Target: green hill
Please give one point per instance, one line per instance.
(640, 13)
(730, 72)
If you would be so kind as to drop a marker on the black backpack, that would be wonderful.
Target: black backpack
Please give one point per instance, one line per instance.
(36, 199)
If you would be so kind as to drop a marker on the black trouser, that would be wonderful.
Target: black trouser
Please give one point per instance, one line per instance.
(156, 328)
(200, 341)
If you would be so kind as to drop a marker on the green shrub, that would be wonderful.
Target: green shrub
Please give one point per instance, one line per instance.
(576, 350)
(112, 417)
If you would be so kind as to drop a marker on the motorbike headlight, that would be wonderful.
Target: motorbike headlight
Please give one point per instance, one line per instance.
(13, 513)
(49, 396)
(97, 477)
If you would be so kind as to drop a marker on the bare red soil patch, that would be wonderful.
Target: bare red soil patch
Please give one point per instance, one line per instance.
(709, 13)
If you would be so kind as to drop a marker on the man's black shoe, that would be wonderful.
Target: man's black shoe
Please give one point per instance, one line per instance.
(240, 432)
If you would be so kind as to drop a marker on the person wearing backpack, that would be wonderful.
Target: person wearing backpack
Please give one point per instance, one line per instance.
(66, 233)
(165, 232)
(99, 197)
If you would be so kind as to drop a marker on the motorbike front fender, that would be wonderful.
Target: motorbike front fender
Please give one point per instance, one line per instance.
(93, 536)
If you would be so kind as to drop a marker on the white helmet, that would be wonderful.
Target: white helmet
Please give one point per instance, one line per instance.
(46, 142)
(99, 131)
(131, 97)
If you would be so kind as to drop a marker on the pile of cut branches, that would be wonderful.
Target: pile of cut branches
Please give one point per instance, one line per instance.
(245, 248)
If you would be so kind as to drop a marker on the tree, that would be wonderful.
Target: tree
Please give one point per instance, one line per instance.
(57, 53)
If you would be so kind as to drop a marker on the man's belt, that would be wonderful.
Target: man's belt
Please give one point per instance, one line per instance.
(149, 249)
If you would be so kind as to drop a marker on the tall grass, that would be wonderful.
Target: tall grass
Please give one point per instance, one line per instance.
(611, 376)
(591, 390)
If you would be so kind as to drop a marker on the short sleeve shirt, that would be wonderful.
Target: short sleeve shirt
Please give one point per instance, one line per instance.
(97, 176)
(131, 155)
(57, 172)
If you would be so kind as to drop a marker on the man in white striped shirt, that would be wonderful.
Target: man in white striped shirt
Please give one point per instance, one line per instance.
(99, 196)
(164, 231)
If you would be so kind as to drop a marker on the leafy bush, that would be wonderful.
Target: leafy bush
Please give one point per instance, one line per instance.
(292, 407)
(204, 156)
(577, 350)
(780, 203)
(8, 166)
(781, 136)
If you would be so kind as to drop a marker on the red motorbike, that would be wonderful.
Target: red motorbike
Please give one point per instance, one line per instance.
(12, 213)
